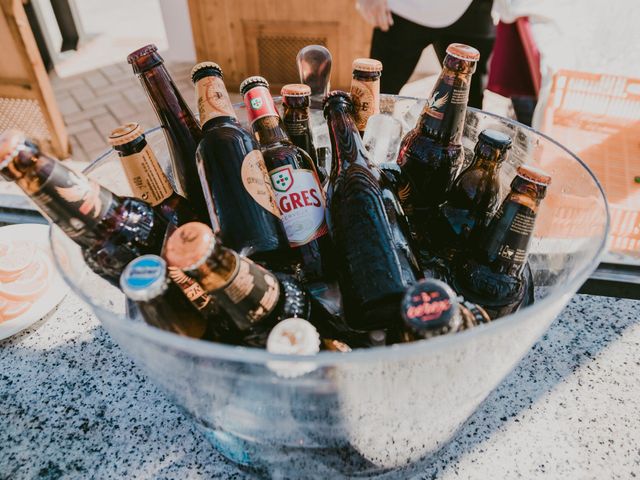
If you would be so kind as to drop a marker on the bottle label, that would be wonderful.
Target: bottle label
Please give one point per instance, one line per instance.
(514, 244)
(259, 103)
(447, 91)
(301, 202)
(72, 201)
(147, 180)
(253, 289)
(192, 289)
(213, 99)
(256, 181)
(366, 101)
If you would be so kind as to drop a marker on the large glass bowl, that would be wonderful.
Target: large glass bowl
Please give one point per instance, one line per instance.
(371, 410)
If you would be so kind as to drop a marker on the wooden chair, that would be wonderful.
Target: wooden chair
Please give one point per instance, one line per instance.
(26, 97)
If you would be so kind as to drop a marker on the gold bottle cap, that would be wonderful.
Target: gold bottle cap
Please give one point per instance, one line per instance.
(125, 133)
(202, 65)
(534, 174)
(190, 246)
(367, 65)
(141, 52)
(463, 52)
(10, 141)
(295, 90)
(250, 82)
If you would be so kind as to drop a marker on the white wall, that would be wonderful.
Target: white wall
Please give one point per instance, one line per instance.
(177, 25)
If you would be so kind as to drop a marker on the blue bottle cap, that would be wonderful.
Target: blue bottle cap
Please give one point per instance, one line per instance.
(144, 278)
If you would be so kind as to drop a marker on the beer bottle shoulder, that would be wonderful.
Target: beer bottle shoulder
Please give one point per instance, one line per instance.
(425, 149)
(224, 133)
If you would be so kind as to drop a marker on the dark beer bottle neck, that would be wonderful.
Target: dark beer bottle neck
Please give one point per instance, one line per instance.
(443, 116)
(270, 131)
(172, 110)
(346, 143)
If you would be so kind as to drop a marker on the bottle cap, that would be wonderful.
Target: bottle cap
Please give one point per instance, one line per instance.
(295, 90)
(480, 315)
(141, 52)
(336, 95)
(463, 52)
(190, 246)
(335, 345)
(293, 336)
(198, 67)
(498, 140)
(251, 82)
(367, 65)
(534, 174)
(144, 278)
(430, 305)
(10, 143)
(125, 133)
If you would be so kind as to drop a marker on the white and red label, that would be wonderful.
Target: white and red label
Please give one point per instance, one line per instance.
(259, 103)
(301, 203)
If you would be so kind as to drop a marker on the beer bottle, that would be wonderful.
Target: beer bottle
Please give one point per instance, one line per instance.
(253, 297)
(146, 178)
(181, 130)
(431, 155)
(365, 90)
(474, 197)
(494, 275)
(111, 230)
(430, 308)
(369, 270)
(294, 178)
(161, 302)
(243, 208)
(295, 102)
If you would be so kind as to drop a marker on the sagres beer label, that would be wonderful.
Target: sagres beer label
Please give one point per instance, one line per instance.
(366, 101)
(259, 103)
(213, 99)
(146, 178)
(445, 93)
(301, 204)
(255, 179)
(72, 201)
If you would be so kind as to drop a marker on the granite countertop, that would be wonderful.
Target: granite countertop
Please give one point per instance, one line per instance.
(73, 406)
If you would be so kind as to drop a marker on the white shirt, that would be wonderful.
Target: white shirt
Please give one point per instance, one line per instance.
(430, 13)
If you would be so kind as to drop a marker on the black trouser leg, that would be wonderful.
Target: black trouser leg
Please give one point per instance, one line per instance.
(399, 50)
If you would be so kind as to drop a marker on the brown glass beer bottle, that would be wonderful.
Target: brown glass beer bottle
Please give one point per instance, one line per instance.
(295, 103)
(243, 209)
(370, 275)
(253, 297)
(365, 90)
(475, 196)
(431, 155)
(180, 127)
(146, 178)
(494, 275)
(111, 230)
(162, 303)
(294, 179)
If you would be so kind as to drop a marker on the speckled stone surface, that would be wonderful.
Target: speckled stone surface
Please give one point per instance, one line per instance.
(73, 406)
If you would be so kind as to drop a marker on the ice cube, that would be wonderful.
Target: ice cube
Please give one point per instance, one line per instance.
(410, 117)
(382, 138)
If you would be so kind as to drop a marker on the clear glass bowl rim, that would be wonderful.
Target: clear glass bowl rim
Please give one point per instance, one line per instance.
(376, 354)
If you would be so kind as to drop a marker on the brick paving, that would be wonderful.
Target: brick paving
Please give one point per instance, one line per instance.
(93, 103)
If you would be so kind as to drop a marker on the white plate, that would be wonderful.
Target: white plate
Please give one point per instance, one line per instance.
(38, 235)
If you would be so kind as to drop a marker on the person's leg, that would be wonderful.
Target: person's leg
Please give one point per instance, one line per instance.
(399, 50)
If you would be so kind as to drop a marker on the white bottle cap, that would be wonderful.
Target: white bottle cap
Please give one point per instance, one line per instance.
(293, 336)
